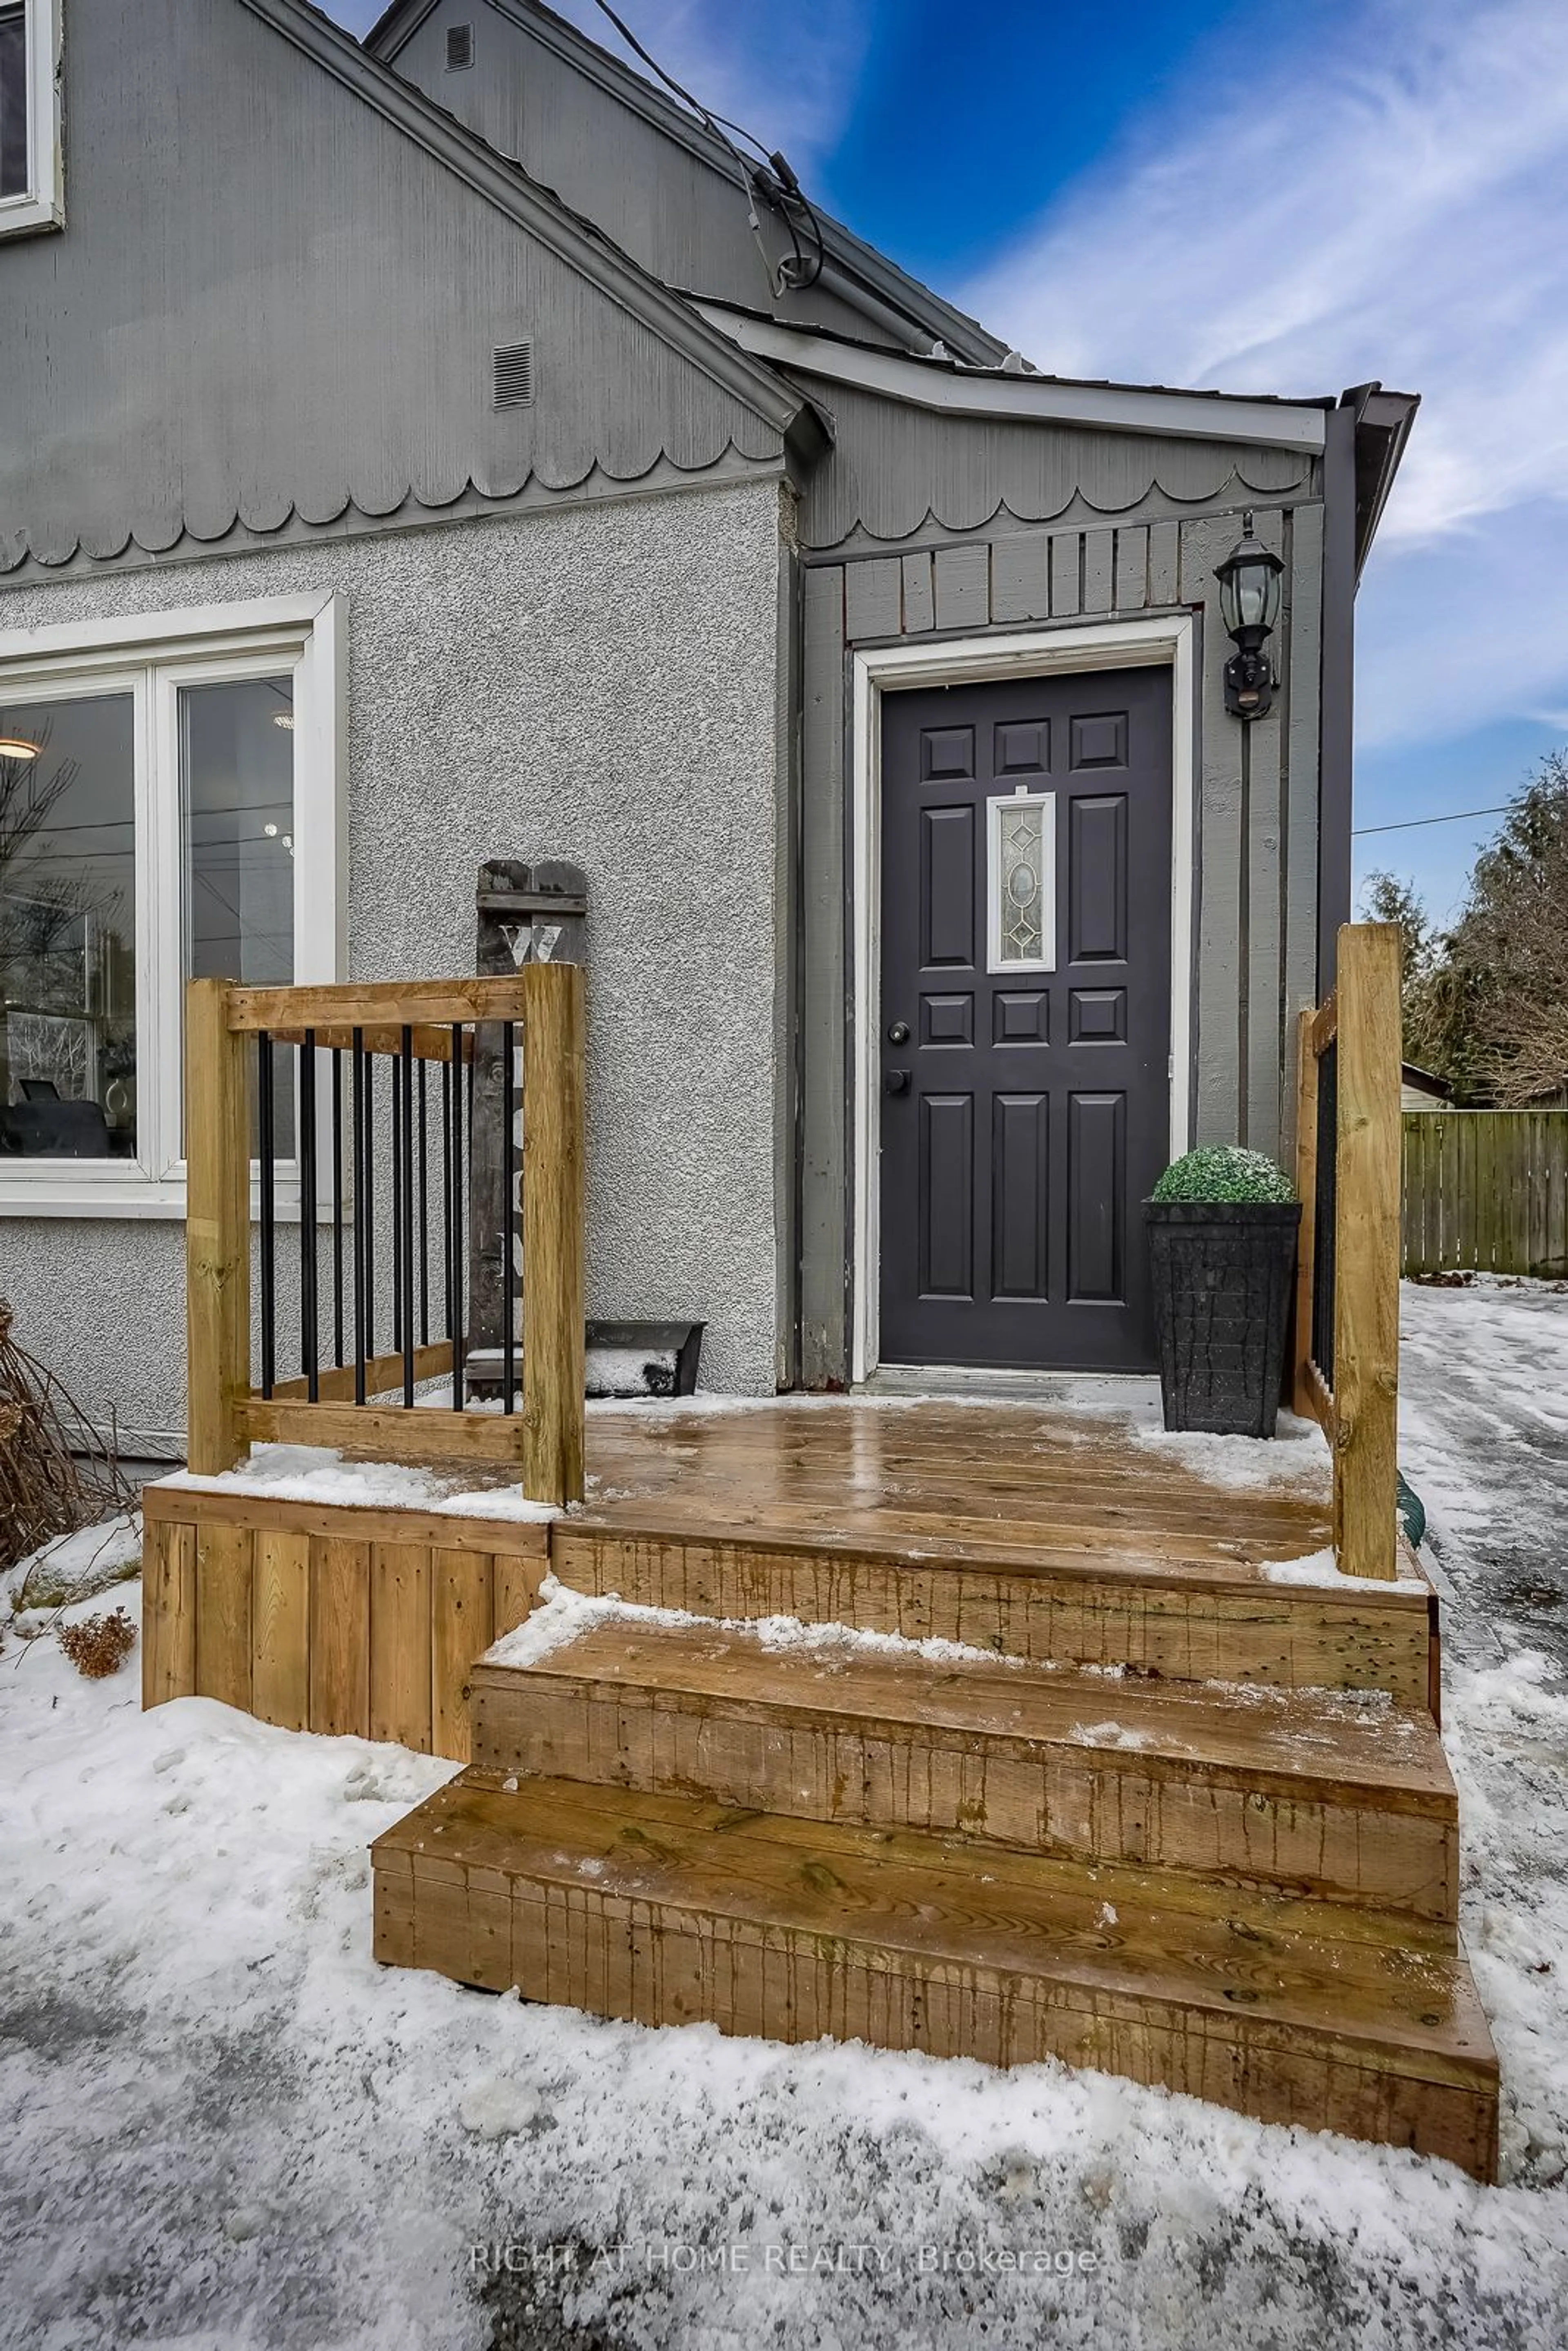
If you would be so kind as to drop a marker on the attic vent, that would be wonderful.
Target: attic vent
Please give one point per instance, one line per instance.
(459, 47)
(514, 385)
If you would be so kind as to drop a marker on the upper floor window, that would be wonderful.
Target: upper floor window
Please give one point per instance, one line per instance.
(31, 176)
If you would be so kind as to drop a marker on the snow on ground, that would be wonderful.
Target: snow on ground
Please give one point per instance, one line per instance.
(1483, 1437)
(224, 2128)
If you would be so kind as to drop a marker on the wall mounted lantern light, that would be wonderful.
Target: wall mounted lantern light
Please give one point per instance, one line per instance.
(1249, 605)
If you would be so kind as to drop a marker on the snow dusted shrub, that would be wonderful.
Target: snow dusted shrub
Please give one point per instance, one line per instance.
(98, 1645)
(1224, 1172)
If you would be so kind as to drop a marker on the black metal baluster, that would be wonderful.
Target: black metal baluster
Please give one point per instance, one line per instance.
(446, 1187)
(509, 1226)
(394, 1126)
(455, 1219)
(310, 1341)
(338, 1207)
(359, 1192)
(264, 1123)
(369, 1207)
(423, 1210)
(405, 1236)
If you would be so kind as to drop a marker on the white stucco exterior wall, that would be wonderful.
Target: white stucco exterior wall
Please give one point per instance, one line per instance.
(598, 682)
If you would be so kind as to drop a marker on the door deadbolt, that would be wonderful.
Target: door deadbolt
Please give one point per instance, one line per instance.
(898, 1033)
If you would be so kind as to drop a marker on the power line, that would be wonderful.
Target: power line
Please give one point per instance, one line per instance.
(1412, 824)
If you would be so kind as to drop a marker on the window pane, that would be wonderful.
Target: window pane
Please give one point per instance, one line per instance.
(237, 791)
(68, 929)
(12, 103)
(236, 785)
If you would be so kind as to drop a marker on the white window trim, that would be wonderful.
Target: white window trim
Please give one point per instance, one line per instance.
(1159, 640)
(149, 656)
(42, 203)
(998, 965)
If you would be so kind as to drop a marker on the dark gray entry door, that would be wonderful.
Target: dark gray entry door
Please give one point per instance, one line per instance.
(1025, 1018)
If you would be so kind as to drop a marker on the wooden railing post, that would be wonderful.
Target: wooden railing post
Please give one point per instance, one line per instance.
(217, 1230)
(1366, 1252)
(554, 1211)
(1301, 1397)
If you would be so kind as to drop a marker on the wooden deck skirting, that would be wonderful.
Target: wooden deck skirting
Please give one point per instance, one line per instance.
(330, 1616)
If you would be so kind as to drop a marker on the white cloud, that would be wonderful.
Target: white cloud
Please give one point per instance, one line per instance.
(1388, 197)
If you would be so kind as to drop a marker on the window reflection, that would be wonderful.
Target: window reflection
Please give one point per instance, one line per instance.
(68, 929)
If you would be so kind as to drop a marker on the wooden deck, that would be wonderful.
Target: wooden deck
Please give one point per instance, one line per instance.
(1168, 1813)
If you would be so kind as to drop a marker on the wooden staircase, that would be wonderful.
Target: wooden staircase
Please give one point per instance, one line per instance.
(1183, 1821)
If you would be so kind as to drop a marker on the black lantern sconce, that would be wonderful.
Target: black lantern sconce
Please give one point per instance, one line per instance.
(1249, 605)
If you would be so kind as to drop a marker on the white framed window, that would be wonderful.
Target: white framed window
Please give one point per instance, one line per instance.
(32, 168)
(171, 808)
(1021, 881)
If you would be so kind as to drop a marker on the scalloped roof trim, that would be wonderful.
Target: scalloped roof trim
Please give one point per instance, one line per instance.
(971, 522)
(262, 519)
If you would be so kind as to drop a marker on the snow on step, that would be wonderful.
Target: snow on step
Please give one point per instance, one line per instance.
(1190, 1610)
(1312, 1791)
(667, 1909)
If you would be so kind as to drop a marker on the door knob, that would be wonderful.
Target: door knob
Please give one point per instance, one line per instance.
(897, 1082)
(898, 1033)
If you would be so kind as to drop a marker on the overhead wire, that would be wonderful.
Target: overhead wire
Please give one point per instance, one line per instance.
(774, 181)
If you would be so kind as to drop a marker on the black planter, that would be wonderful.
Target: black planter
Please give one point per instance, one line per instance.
(1222, 1272)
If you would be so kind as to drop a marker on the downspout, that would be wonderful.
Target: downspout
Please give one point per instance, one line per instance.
(1336, 678)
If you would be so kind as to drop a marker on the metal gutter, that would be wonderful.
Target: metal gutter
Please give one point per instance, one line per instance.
(1025, 398)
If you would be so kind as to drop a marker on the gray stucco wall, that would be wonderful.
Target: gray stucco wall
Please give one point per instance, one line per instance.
(600, 683)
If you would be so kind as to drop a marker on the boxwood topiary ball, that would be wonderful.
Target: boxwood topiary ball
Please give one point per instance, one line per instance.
(1223, 1171)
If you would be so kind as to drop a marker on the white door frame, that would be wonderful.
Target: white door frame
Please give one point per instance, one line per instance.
(1162, 641)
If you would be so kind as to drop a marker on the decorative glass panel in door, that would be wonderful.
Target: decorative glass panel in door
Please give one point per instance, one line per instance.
(1021, 882)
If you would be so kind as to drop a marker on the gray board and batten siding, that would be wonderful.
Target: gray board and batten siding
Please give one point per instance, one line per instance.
(279, 299)
(1002, 528)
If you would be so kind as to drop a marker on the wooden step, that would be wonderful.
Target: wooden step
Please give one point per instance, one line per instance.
(1320, 1792)
(666, 1909)
(1215, 1617)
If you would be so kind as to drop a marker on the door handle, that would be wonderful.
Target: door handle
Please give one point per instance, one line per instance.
(897, 1082)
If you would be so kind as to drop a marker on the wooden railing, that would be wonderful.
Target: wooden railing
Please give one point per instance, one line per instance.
(1347, 1267)
(377, 1175)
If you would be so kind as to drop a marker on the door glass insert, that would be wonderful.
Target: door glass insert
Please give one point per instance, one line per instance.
(1021, 882)
(67, 928)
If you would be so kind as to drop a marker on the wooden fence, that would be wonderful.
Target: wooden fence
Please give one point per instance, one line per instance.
(1486, 1191)
(374, 1173)
(1347, 1267)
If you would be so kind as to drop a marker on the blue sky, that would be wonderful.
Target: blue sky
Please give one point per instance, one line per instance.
(1288, 198)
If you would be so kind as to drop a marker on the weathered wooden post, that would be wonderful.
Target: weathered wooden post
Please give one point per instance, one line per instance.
(528, 913)
(1366, 1252)
(217, 1230)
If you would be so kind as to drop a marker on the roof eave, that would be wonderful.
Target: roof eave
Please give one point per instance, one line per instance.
(1026, 398)
(1383, 424)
